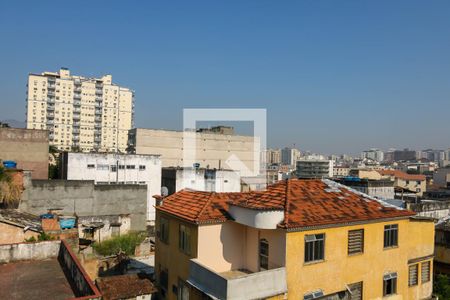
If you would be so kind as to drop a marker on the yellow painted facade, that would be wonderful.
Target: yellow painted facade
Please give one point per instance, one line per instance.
(336, 271)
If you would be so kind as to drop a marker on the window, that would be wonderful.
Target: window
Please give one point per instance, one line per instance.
(121, 167)
(425, 272)
(164, 280)
(356, 290)
(389, 284)
(183, 290)
(164, 230)
(91, 166)
(113, 168)
(390, 235)
(142, 168)
(115, 230)
(314, 247)
(412, 274)
(102, 167)
(130, 167)
(356, 241)
(185, 239)
(263, 254)
(313, 295)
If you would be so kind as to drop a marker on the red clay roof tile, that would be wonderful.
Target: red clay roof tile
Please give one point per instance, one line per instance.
(305, 203)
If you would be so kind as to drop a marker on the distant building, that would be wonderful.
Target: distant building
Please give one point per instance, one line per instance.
(227, 130)
(381, 189)
(406, 183)
(442, 247)
(114, 168)
(200, 179)
(365, 174)
(340, 171)
(80, 113)
(259, 245)
(290, 156)
(441, 177)
(212, 150)
(314, 169)
(28, 148)
(404, 155)
(373, 154)
(272, 156)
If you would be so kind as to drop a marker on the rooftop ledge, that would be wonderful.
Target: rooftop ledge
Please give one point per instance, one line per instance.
(237, 284)
(261, 219)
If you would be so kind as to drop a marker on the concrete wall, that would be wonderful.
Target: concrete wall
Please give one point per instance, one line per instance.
(105, 232)
(86, 199)
(142, 169)
(27, 147)
(213, 150)
(14, 234)
(432, 209)
(28, 251)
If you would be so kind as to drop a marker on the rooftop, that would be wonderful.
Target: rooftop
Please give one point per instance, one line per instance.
(401, 175)
(125, 286)
(305, 203)
(38, 279)
(20, 219)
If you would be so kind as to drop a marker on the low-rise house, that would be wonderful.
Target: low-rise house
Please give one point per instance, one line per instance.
(299, 239)
(200, 179)
(381, 189)
(100, 228)
(340, 171)
(406, 183)
(16, 226)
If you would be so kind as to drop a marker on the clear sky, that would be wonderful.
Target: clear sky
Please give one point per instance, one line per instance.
(334, 76)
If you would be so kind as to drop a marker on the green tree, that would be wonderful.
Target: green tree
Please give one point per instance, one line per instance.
(441, 286)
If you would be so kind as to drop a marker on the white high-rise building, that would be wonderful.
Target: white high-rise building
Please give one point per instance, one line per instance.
(85, 114)
(373, 154)
(290, 156)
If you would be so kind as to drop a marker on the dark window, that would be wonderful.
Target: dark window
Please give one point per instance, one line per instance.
(164, 279)
(115, 230)
(412, 274)
(356, 241)
(141, 168)
(313, 295)
(183, 290)
(263, 254)
(164, 230)
(130, 167)
(314, 247)
(391, 235)
(113, 168)
(425, 272)
(121, 167)
(91, 166)
(356, 290)
(390, 284)
(185, 239)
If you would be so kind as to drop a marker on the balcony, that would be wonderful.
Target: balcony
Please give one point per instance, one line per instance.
(98, 119)
(77, 89)
(76, 131)
(97, 126)
(77, 96)
(76, 110)
(50, 122)
(51, 86)
(51, 100)
(50, 93)
(50, 115)
(98, 112)
(75, 138)
(76, 103)
(97, 139)
(99, 92)
(76, 116)
(234, 284)
(76, 124)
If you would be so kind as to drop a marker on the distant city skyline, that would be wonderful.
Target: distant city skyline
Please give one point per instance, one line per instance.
(334, 77)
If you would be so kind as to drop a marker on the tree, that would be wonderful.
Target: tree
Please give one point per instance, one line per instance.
(10, 191)
(441, 287)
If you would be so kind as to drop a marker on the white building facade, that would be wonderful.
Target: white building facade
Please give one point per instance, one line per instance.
(80, 113)
(112, 168)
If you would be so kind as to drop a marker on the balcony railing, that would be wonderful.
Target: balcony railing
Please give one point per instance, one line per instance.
(50, 107)
(50, 122)
(98, 119)
(233, 284)
(76, 96)
(76, 116)
(76, 124)
(77, 103)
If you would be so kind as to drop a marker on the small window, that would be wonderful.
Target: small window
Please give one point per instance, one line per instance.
(314, 247)
(130, 167)
(313, 295)
(164, 279)
(412, 274)
(121, 167)
(102, 167)
(391, 235)
(263, 254)
(164, 230)
(425, 271)
(356, 290)
(390, 284)
(142, 168)
(90, 166)
(185, 239)
(356, 241)
(113, 168)
(183, 290)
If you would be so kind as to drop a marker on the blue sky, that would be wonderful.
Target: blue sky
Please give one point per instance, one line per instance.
(334, 76)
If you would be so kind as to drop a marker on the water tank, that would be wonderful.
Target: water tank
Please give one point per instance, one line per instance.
(9, 164)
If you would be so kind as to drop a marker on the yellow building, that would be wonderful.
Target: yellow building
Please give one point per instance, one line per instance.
(80, 113)
(299, 239)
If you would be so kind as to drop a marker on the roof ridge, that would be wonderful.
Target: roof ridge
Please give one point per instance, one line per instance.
(205, 206)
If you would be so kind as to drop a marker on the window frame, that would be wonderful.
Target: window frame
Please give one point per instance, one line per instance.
(428, 278)
(390, 236)
(164, 225)
(361, 248)
(387, 278)
(318, 245)
(184, 239)
(415, 280)
(183, 286)
(263, 257)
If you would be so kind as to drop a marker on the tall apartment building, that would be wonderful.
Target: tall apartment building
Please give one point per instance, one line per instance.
(373, 154)
(289, 156)
(307, 169)
(86, 114)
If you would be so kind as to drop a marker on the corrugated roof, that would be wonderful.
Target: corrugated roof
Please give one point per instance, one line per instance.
(305, 203)
(20, 219)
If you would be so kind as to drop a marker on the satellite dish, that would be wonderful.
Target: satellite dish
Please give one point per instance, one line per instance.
(164, 191)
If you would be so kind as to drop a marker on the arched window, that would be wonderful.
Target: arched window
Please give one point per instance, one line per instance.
(263, 254)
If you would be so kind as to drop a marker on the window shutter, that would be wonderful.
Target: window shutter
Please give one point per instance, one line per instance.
(425, 271)
(356, 241)
(356, 290)
(413, 270)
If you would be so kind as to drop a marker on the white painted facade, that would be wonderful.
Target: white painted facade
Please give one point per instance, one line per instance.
(112, 168)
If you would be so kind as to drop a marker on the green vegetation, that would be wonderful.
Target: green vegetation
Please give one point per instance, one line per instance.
(441, 286)
(10, 191)
(41, 237)
(124, 243)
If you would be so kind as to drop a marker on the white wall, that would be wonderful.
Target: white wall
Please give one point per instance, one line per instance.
(101, 173)
(226, 181)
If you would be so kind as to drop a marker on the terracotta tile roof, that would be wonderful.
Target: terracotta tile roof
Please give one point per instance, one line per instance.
(401, 175)
(125, 286)
(305, 203)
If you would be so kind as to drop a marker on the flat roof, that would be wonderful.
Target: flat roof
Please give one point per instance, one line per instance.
(37, 279)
